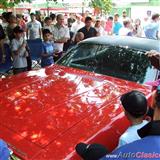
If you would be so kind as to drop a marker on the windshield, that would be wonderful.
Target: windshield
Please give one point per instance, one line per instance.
(117, 61)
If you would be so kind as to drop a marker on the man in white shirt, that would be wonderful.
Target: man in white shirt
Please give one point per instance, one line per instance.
(4, 21)
(78, 24)
(48, 24)
(60, 33)
(124, 17)
(100, 30)
(33, 28)
(125, 30)
(135, 108)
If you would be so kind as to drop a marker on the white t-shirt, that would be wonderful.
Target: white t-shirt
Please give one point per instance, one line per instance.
(131, 134)
(101, 31)
(124, 31)
(19, 61)
(122, 19)
(59, 33)
(4, 25)
(76, 26)
(49, 27)
(139, 32)
(33, 29)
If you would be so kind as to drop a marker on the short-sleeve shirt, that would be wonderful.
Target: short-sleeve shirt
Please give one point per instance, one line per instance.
(88, 33)
(116, 27)
(19, 61)
(76, 26)
(60, 32)
(49, 27)
(9, 31)
(48, 49)
(131, 134)
(151, 30)
(100, 31)
(33, 29)
(125, 32)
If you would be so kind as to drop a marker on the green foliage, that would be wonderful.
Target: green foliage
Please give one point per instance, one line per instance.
(103, 5)
(11, 3)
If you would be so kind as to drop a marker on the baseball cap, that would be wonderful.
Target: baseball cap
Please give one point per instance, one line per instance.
(4, 150)
(135, 103)
(91, 151)
(17, 29)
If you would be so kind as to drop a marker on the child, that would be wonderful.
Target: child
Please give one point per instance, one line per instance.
(19, 52)
(135, 108)
(47, 49)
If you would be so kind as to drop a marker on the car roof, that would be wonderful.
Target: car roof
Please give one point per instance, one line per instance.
(131, 42)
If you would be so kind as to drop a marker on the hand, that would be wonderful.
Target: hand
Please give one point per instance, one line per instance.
(152, 53)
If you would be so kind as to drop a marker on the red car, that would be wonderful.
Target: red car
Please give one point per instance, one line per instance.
(45, 113)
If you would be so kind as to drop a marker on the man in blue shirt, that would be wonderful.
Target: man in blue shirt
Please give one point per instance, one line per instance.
(151, 30)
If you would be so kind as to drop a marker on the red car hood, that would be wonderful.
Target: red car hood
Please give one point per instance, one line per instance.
(39, 106)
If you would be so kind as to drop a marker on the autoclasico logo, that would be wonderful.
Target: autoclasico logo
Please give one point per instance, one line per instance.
(134, 155)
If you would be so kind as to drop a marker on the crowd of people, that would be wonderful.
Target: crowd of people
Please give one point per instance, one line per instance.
(60, 32)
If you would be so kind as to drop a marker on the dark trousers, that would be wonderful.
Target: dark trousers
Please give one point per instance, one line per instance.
(29, 63)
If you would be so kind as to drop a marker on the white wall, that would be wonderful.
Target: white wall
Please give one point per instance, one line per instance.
(140, 12)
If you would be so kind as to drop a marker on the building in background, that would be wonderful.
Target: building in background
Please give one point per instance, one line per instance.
(63, 6)
(136, 8)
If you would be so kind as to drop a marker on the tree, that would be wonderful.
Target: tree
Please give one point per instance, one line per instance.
(102, 5)
(11, 3)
